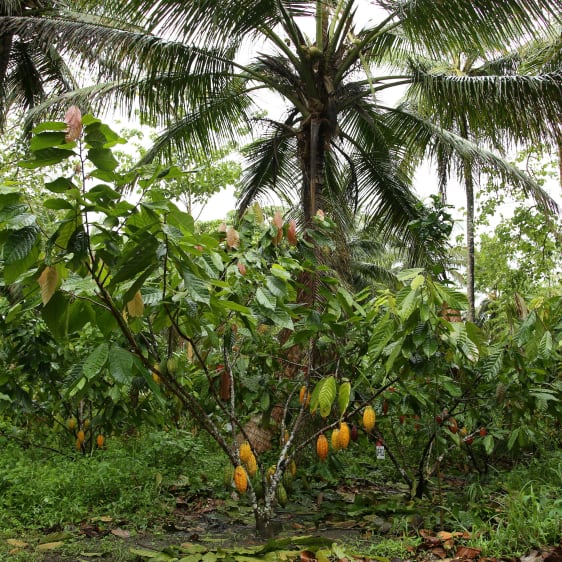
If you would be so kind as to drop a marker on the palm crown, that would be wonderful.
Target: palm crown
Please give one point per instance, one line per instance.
(337, 145)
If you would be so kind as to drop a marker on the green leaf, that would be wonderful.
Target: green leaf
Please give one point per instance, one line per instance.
(47, 139)
(120, 364)
(60, 185)
(323, 396)
(47, 157)
(57, 203)
(546, 345)
(96, 361)
(344, 394)
(280, 272)
(50, 126)
(103, 159)
(265, 298)
(513, 438)
(417, 282)
(282, 319)
(489, 444)
(19, 243)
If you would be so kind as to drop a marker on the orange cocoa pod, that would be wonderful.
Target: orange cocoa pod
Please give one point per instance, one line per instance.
(322, 447)
(71, 423)
(369, 418)
(78, 445)
(240, 479)
(245, 452)
(344, 435)
(304, 396)
(100, 440)
(81, 436)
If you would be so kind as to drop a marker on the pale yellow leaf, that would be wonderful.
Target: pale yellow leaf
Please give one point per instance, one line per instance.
(50, 545)
(16, 542)
(48, 282)
(135, 307)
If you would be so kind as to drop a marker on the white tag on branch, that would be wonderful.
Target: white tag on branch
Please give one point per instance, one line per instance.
(380, 451)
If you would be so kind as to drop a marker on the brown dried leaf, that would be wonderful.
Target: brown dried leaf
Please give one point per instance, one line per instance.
(73, 118)
(135, 307)
(278, 219)
(445, 535)
(232, 237)
(307, 556)
(468, 552)
(241, 268)
(48, 282)
(122, 533)
(439, 551)
(292, 232)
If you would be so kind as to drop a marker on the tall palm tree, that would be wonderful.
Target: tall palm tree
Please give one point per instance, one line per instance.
(337, 145)
(31, 69)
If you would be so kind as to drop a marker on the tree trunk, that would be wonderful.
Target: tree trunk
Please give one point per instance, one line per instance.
(469, 187)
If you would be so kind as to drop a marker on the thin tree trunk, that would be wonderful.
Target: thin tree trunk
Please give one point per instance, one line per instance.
(469, 187)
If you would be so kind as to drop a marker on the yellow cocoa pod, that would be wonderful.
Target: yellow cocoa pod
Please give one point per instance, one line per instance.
(293, 468)
(71, 423)
(270, 472)
(245, 451)
(86, 424)
(81, 436)
(369, 418)
(78, 445)
(240, 479)
(100, 440)
(322, 447)
(252, 465)
(336, 439)
(344, 435)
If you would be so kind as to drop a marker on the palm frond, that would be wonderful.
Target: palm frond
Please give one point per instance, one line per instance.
(423, 136)
(521, 108)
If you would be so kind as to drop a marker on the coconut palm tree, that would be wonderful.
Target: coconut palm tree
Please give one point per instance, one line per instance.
(31, 68)
(335, 144)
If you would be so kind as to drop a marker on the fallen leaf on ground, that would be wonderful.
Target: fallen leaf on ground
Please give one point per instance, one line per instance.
(468, 552)
(17, 543)
(50, 545)
(123, 533)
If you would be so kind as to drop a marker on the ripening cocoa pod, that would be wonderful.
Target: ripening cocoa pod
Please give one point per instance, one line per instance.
(240, 479)
(228, 475)
(100, 440)
(304, 396)
(293, 468)
(354, 433)
(336, 439)
(369, 418)
(81, 436)
(322, 447)
(251, 465)
(245, 452)
(344, 435)
(282, 497)
(71, 423)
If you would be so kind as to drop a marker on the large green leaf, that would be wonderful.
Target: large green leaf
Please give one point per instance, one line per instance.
(47, 157)
(19, 243)
(344, 394)
(120, 364)
(96, 361)
(323, 396)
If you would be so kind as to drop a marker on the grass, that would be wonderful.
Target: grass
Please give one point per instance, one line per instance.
(132, 485)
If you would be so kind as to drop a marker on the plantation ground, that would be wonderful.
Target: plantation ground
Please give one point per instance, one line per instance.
(162, 498)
